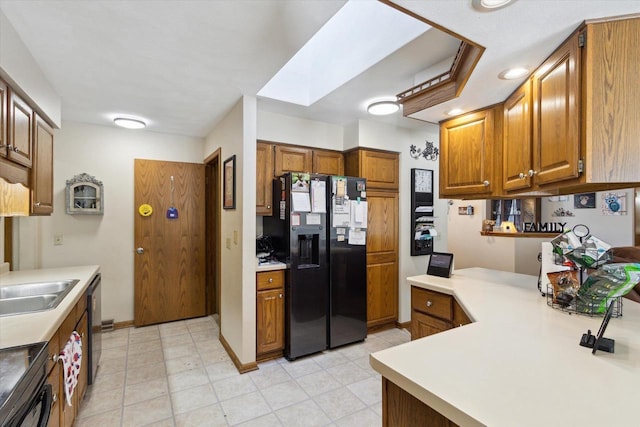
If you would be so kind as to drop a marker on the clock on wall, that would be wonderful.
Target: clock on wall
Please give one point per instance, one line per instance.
(422, 180)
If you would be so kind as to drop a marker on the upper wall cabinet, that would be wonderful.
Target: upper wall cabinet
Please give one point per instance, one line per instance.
(470, 146)
(42, 171)
(19, 130)
(611, 112)
(292, 159)
(380, 168)
(328, 162)
(556, 115)
(517, 169)
(264, 178)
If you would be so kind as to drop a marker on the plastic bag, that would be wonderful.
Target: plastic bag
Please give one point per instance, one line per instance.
(610, 281)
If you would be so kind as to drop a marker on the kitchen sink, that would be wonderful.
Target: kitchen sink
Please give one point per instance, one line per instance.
(33, 297)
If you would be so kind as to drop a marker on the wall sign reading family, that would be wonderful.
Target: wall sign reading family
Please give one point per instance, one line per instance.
(229, 183)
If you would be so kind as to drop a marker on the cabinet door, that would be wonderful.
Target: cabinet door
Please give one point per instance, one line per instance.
(20, 131)
(292, 159)
(3, 119)
(380, 169)
(467, 154)
(270, 321)
(54, 379)
(382, 258)
(423, 325)
(42, 171)
(328, 162)
(556, 115)
(264, 178)
(516, 144)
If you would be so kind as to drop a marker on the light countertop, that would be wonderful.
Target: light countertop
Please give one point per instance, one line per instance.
(271, 266)
(35, 327)
(520, 362)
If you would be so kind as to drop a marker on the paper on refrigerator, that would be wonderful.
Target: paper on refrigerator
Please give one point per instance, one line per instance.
(318, 196)
(341, 214)
(358, 214)
(357, 237)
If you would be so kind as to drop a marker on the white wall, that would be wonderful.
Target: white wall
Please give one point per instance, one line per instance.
(293, 130)
(20, 70)
(236, 135)
(106, 153)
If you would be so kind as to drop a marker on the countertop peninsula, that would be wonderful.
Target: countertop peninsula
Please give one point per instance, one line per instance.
(35, 327)
(519, 363)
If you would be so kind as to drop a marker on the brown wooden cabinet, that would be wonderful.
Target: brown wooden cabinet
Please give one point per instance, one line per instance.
(42, 170)
(470, 154)
(556, 115)
(401, 409)
(19, 130)
(288, 158)
(517, 159)
(433, 312)
(328, 162)
(380, 168)
(264, 178)
(269, 314)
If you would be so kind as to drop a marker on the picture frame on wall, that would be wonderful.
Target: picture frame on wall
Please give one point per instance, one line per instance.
(584, 201)
(229, 183)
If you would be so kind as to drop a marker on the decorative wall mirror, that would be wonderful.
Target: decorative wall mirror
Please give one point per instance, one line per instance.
(84, 195)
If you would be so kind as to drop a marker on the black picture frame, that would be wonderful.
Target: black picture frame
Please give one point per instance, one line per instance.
(229, 183)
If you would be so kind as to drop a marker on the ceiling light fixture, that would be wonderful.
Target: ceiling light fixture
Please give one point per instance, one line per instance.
(487, 5)
(513, 73)
(454, 112)
(383, 108)
(129, 123)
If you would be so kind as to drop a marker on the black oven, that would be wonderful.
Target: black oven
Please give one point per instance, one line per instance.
(25, 398)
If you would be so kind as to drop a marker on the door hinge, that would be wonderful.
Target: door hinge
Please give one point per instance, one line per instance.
(580, 166)
(582, 39)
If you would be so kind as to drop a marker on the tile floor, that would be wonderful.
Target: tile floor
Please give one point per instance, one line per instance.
(178, 374)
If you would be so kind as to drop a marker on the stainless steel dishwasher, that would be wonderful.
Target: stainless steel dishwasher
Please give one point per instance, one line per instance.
(94, 319)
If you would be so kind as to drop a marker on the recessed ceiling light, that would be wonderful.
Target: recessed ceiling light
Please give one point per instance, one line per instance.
(454, 112)
(383, 108)
(513, 73)
(487, 5)
(129, 123)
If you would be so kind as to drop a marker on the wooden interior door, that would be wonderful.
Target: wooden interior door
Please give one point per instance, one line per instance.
(169, 253)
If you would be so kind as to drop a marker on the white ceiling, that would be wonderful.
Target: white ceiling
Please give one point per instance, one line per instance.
(182, 64)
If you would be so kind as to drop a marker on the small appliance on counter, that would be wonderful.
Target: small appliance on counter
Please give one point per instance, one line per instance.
(264, 250)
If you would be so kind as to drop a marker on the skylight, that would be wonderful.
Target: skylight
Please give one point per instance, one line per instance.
(357, 37)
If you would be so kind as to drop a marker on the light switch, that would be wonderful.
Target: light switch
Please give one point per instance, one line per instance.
(235, 237)
(228, 243)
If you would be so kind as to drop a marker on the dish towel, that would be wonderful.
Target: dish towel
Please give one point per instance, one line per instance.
(71, 356)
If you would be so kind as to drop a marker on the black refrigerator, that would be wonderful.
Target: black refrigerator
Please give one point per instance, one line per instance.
(318, 229)
(346, 246)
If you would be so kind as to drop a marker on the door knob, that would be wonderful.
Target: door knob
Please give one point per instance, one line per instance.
(486, 183)
(140, 250)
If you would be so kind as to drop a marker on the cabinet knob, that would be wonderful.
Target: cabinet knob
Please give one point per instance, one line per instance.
(531, 172)
(36, 204)
(429, 303)
(54, 398)
(521, 175)
(268, 206)
(270, 279)
(54, 358)
(486, 183)
(280, 296)
(15, 149)
(140, 250)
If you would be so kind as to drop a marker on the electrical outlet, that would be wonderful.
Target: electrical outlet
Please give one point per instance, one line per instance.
(228, 243)
(235, 237)
(57, 239)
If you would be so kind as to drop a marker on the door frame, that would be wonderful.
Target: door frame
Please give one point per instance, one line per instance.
(213, 226)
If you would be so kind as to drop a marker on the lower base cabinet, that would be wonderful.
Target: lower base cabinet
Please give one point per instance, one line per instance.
(61, 414)
(269, 314)
(401, 409)
(433, 312)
